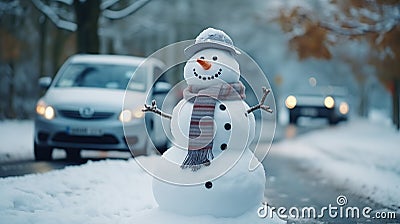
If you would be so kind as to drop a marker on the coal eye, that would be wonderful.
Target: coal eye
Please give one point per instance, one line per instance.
(201, 57)
(215, 58)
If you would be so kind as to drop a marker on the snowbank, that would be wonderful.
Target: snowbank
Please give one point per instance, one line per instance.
(362, 155)
(16, 138)
(110, 191)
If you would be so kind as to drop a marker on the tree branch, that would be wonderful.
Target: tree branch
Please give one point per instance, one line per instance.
(361, 28)
(112, 14)
(349, 27)
(106, 4)
(46, 10)
(11, 8)
(67, 2)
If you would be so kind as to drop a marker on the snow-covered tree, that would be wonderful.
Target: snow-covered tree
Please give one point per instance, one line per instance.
(82, 17)
(317, 27)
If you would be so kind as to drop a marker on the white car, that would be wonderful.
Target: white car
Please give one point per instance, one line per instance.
(326, 102)
(83, 106)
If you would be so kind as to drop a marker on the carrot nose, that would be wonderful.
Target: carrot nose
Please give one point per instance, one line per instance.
(205, 64)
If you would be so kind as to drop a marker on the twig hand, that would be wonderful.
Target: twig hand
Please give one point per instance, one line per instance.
(261, 104)
(153, 108)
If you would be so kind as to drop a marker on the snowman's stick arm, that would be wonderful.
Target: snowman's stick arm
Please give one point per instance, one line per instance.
(261, 104)
(153, 108)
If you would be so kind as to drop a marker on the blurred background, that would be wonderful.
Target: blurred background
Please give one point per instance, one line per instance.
(351, 44)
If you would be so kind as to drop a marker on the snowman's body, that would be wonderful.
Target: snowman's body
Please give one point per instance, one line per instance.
(225, 187)
(234, 192)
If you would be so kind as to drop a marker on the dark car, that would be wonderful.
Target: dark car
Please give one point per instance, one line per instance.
(326, 102)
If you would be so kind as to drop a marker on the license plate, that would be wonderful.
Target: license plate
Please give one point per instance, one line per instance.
(309, 112)
(84, 131)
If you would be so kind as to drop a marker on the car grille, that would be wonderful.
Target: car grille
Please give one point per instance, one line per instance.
(104, 139)
(74, 114)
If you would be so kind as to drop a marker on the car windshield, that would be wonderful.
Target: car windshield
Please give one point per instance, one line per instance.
(322, 91)
(108, 76)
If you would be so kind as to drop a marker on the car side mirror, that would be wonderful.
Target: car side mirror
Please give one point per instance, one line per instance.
(162, 88)
(45, 82)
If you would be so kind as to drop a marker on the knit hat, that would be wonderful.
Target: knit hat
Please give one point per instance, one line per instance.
(211, 38)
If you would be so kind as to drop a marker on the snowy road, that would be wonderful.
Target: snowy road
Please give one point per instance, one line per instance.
(358, 160)
(21, 162)
(291, 183)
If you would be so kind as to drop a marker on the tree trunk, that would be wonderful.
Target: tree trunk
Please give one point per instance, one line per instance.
(42, 44)
(87, 18)
(10, 111)
(60, 38)
(395, 103)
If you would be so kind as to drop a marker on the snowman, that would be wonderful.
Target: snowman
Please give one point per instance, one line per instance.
(206, 171)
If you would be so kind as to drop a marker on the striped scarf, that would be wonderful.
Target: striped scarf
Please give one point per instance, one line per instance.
(201, 130)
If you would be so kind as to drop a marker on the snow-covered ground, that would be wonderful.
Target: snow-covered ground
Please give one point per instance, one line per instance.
(16, 140)
(109, 191)
(362, 155)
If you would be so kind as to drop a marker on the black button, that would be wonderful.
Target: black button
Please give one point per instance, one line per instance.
(227, 126)
(208, 184)
(223, 146)
(222, 107)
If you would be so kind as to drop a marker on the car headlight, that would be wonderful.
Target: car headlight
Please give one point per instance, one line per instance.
(290, 102)
(138, 113)
(127, 115)
(40, 107)
(344, 108)
(45, 110)
(329, 102)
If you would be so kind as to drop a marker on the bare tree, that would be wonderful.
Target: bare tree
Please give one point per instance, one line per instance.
(82, 17)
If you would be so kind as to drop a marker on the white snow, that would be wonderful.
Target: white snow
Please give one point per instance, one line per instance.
(16, 140)
(53, 16)
(130, 9)
(362, 155)
(110, 191)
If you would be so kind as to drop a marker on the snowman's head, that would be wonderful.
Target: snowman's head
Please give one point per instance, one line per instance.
(210, 67)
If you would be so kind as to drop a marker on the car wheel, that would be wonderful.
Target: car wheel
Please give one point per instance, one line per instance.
(333, 121)
(73, 154)
(161, 149)
(42, 153)
(292, 119)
